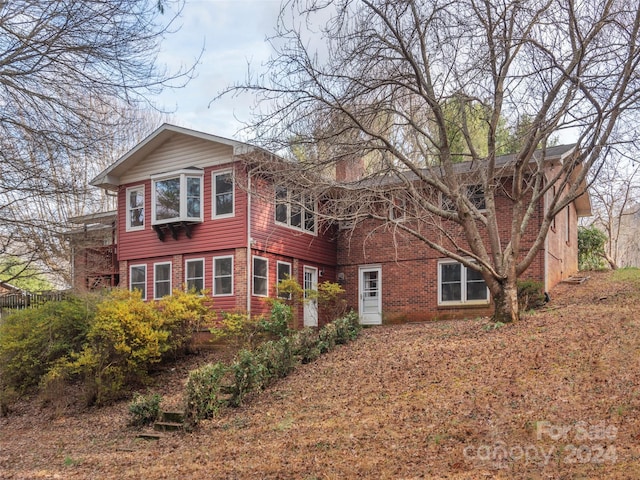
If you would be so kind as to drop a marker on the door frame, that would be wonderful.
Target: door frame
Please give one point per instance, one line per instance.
(310, 308)
(369, 318)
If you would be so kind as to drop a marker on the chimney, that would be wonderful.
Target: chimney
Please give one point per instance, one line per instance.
(349, 169)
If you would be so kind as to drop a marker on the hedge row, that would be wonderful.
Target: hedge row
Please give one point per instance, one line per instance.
(214, 386)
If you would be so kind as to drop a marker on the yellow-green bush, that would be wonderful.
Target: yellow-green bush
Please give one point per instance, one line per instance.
(182, 314)
(109, 342)
(238, 328)
(33, 341)
(124, 340)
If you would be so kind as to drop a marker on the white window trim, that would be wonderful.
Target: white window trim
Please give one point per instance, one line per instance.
(186, 272)
(131, 267)
(213, 194)
(155, 280)
(253, 275)
(130, 228)
(286, 296)
(287, 224)
(213, 288)
(183, 175)
(463, 287)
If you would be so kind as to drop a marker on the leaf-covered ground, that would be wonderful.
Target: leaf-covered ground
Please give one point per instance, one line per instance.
(554, 396)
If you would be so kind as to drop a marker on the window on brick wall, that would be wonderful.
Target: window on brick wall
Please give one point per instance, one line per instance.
(161, 280)
(458, 284)
(194, 275)
(223, 276)
(260, 277)
(284, 272)
(138, 279)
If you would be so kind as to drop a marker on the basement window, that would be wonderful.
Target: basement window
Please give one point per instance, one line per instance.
(458, 285)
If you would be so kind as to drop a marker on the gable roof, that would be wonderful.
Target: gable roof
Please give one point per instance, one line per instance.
(109, 178)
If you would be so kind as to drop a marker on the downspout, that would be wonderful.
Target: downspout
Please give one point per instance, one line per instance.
(249, 270)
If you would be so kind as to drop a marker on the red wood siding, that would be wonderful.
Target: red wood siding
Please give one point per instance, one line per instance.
(268, 236)
(211, 234)
(260, 305)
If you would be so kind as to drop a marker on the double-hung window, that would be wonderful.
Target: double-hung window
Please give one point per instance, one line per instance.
(260, 276)
(177, 196)
(284, 272)
(223, 194)
(161, 280)
(135, 208)
(194, 275)
(295, 210)
(458, 284)
(222, 276)
(138, 279)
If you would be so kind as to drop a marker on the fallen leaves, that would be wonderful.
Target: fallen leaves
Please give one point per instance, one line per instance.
(431, 400)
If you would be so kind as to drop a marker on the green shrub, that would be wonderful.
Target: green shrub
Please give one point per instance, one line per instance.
(144, 409)
(239, 328)
(591, 244)
(347, 327)
(278, 325)
(277, 359)
(204, 393)
(32, 341)
(304, 345)
(530, 294)
(8, 396)
(327, 338)
(248, 374)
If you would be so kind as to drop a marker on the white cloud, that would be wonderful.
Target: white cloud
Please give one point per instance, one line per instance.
(233, 33)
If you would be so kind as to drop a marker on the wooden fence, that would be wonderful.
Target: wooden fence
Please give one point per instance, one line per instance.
(21, 300)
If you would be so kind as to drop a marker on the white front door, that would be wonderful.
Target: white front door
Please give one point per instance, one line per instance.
(370, 295)
(310, 297)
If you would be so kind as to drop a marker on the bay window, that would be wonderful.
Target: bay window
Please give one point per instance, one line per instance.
(177, 197)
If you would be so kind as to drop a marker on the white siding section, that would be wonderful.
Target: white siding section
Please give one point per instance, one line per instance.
(179, 152)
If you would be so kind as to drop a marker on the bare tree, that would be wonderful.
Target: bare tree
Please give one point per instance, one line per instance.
(378, 87)
(616, 195)
(73, 74)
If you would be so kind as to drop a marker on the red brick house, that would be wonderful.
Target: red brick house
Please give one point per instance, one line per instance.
(392, 277)
(185, 219)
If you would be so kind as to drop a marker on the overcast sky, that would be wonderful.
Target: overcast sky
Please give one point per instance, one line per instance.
(232, 33)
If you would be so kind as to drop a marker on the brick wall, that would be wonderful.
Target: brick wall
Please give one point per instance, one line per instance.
(409, 282)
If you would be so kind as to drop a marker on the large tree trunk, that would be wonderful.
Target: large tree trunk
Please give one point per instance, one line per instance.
(506, 302)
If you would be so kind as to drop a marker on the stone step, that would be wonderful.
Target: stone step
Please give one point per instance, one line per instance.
(168, 426)
(172, 416)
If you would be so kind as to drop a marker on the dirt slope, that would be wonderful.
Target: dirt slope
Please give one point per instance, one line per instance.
(554, 396)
